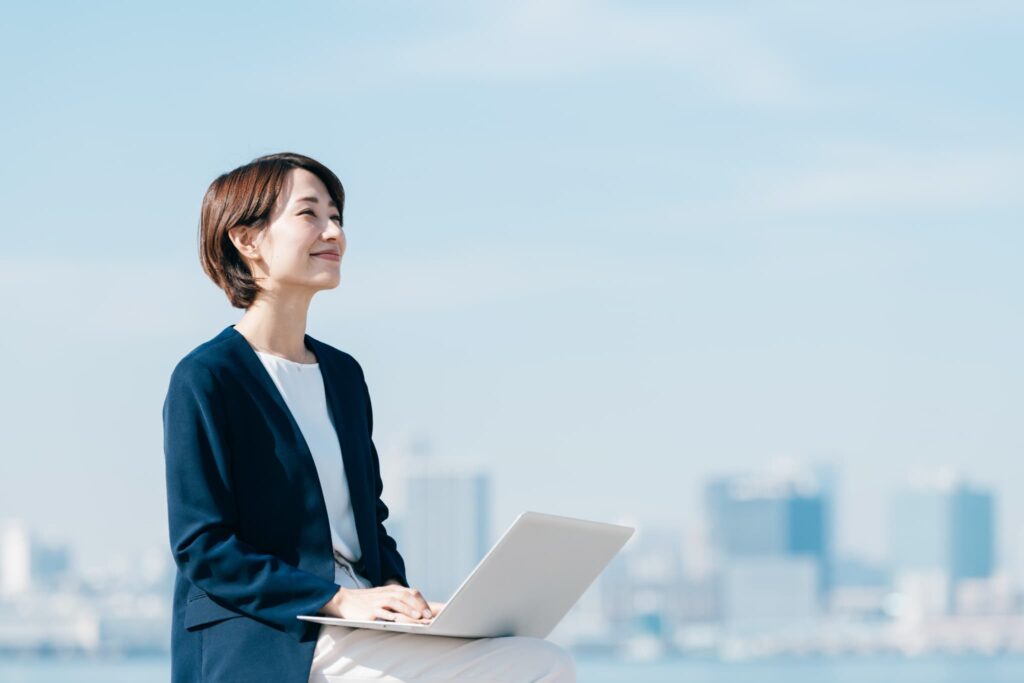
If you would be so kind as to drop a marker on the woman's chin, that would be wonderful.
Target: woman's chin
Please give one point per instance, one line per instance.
(326, 280)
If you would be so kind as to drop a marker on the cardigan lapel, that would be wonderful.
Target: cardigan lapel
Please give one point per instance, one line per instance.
(355, 459)
(354, 465)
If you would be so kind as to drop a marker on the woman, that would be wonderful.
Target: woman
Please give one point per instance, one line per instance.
(273, 480)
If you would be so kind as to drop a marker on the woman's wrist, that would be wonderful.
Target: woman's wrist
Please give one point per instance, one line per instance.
(333, 606)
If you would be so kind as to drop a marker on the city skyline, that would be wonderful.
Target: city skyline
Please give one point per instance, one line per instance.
(772, 576)
(694, 526)
(785, 509)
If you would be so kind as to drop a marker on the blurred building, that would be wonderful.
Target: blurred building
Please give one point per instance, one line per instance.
(767, 590)
(642, 590)
(15, 559)
(50, 563)
(972, 534)
(942, 534)
(859, 589)
(444, 530)
(996, 595)
(771, 535)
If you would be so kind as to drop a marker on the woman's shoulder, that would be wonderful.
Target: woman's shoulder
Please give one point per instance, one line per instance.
(225, 355)
(211, 357)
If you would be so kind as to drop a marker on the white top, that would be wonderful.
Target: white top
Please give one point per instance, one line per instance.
(302, 387)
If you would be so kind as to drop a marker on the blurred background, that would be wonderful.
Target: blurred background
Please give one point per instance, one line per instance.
(742, 275)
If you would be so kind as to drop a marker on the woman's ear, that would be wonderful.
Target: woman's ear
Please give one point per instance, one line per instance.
(244, 239)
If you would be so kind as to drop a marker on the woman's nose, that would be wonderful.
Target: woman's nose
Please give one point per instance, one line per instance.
(333, 229)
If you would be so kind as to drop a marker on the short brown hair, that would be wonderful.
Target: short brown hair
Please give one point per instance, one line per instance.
(246, 196)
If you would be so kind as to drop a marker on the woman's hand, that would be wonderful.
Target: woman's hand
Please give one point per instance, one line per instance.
(436, 607)
(385, 603)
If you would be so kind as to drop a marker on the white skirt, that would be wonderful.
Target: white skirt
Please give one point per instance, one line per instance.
(363, 654)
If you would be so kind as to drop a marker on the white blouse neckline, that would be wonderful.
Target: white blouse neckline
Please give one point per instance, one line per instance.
(286, 360)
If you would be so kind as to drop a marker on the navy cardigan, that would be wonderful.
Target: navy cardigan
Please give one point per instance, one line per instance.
(247, 519)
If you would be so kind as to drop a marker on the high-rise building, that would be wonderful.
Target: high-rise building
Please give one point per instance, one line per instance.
(746, 522)
(771, 530)
(771, 516)
(444, 529)
(942, 532)
(972, 534)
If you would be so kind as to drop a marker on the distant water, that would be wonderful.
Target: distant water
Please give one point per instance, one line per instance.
(894, 669)
(963, 669)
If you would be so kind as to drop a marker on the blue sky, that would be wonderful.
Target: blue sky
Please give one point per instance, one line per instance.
(609, 249)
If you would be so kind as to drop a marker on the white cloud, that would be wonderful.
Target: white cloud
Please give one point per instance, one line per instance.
(554, 39)
(895, 181)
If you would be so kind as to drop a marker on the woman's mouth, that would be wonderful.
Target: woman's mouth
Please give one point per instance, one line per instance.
(329, 255)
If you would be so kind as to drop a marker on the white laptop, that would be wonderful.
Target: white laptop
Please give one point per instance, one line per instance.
(524, 585)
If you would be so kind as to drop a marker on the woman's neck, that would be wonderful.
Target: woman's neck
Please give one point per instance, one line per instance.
(277, 329)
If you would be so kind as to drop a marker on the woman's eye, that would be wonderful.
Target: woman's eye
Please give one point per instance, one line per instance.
(312, 213)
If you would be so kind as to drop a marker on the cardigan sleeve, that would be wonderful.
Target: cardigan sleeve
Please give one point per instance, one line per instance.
(202, 513)
(392, 566)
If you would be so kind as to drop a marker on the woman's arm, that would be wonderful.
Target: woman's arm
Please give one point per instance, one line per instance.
(202, 514)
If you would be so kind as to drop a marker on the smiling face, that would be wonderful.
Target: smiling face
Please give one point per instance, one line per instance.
(303, 243)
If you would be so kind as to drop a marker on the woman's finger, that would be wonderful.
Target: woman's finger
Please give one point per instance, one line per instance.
(413, 593)
(413, 598)
(384, 614)
(402, 619)
(422, 603)
(407, 606)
